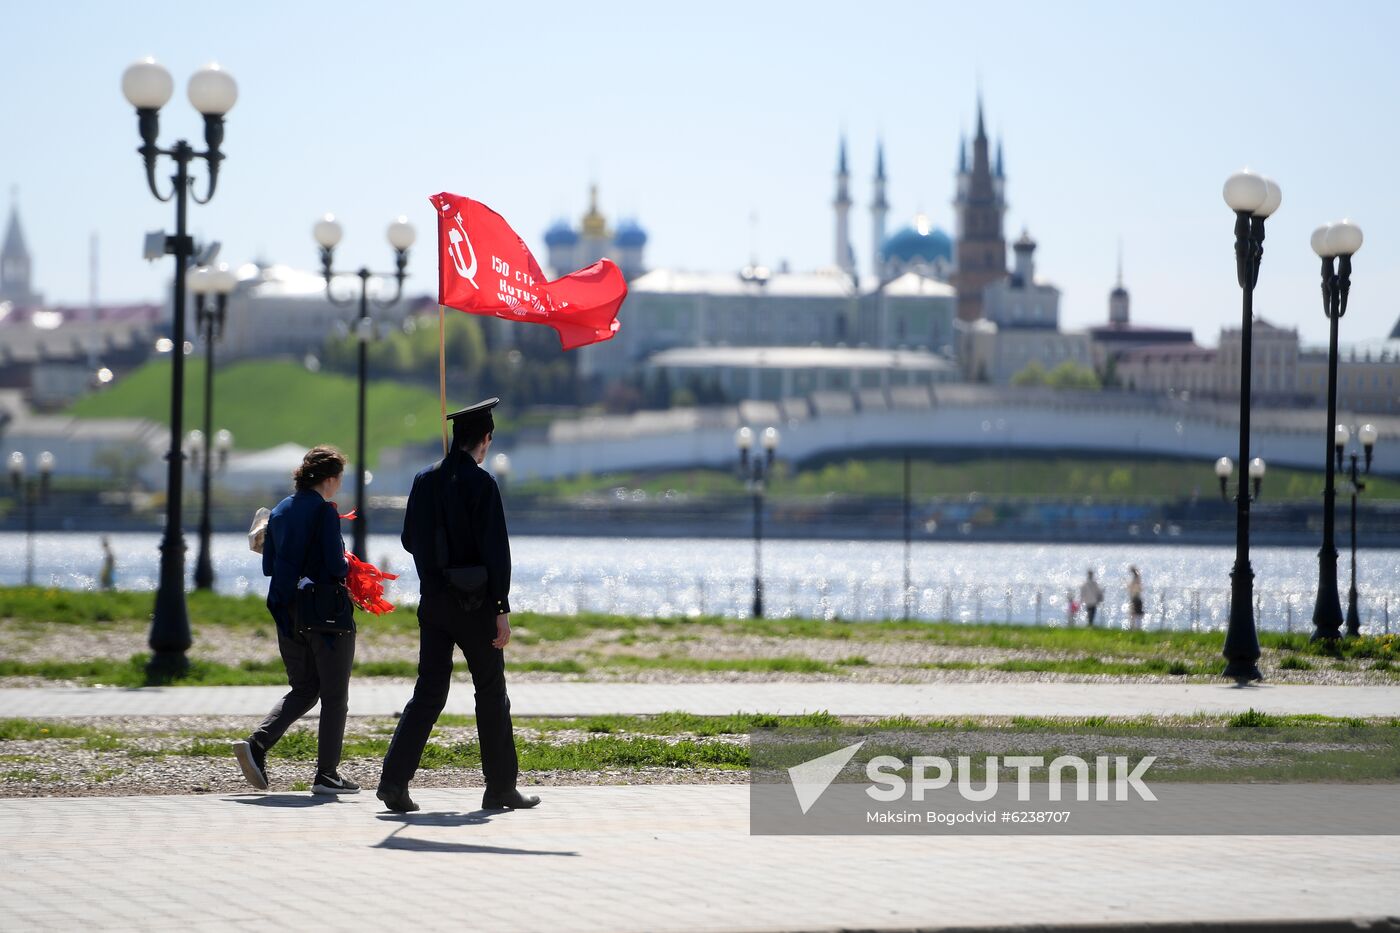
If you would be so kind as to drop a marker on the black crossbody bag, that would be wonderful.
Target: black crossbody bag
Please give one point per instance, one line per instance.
(323, 608)
(467, 583)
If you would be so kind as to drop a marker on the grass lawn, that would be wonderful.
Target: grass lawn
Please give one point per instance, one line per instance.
(595, 644)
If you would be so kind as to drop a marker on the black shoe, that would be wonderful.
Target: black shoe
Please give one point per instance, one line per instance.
(331, 782)
(395, 797)
(508, 800)
(252, 758)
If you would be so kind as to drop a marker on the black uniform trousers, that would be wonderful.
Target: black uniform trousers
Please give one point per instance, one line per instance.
(443, 626)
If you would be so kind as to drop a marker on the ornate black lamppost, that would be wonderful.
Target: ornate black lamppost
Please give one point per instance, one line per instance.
(401, 236)
(1333, 243)
(1367, 435)
(212, 91)
(1252, 198)
(217, 282)
(29, 492)
(755, 469)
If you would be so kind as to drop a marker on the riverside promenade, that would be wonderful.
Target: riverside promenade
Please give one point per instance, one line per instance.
(661, 857)
(641, 858)
(581, 698)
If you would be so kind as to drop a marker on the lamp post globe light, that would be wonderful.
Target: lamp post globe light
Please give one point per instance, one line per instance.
(1367, 435)
(216, 283)
(147, 86)
(1254, 199)
(29, 492)
(328, 233)
(1334, 244)
(500, 467)
(754, 468)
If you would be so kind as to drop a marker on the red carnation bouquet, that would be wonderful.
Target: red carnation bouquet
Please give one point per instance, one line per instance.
(366, 581)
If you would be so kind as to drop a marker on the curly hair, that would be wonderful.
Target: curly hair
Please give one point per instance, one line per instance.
(320, 464)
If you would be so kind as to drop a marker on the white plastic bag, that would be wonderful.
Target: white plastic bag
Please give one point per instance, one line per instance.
(257, 532)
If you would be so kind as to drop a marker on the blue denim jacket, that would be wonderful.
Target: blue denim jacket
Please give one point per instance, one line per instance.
(287, 550)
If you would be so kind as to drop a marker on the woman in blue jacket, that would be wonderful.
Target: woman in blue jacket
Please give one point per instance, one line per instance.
(303, 543)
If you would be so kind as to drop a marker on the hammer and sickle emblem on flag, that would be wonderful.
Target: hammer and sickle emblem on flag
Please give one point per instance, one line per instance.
(466, 268)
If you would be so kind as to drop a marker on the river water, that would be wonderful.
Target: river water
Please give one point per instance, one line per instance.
(1184, 586)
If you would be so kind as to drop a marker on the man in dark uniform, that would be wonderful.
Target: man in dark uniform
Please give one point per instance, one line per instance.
(456, 504)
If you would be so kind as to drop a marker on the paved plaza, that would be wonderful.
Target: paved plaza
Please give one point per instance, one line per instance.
(674, 857)
(626, 858)
(716, 699)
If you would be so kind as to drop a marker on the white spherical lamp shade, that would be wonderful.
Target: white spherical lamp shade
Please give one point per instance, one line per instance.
(1257, 468)
(1319, 241)
(212, 91)
(1273, 197)
(1245, 191)
(744, 438)
(327, 231)
(1344, 238)
(222, 279)
(1224, 467)
(224, 440)
(46, 462)
(401, 234)
(147, 85)
(771, 437)
(1341, 435)
(500, 465)
(200, 280)
(1368, 435)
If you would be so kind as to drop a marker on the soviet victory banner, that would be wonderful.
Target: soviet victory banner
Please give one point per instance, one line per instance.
(485, 268)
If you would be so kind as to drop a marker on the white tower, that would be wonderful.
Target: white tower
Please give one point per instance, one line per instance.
(879, 208)
(845, 259)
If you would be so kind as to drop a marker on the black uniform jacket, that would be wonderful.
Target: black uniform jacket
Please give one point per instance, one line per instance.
(476, 527)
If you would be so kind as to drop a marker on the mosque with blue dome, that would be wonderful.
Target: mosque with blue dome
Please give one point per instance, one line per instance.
(571, 248)
(972, 262)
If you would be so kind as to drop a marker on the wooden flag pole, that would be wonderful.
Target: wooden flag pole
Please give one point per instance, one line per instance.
(442, 372)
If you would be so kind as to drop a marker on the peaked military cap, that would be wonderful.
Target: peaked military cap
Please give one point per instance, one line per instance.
(477, 412)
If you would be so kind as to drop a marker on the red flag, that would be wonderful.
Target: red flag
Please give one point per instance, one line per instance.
(485, 268)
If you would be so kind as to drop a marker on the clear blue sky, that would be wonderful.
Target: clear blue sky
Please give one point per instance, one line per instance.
(1119, 119)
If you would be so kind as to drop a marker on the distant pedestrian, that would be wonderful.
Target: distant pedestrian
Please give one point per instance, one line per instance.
(302, 545)
(107, 577)
(1135, 598)
(1090, 595)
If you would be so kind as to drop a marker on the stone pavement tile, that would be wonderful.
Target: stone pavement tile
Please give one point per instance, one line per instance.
(626, 858)
(577, 698)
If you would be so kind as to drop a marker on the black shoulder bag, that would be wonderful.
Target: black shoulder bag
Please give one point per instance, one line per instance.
(323, 608)
(467, 583)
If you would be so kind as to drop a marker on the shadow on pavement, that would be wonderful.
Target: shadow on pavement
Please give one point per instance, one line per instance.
(440, 818)
(409, 844)
(287, 801)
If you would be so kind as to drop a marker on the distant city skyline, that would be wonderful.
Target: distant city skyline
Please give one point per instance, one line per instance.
(1119, 123)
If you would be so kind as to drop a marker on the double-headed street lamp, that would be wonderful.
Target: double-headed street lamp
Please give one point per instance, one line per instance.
(1367, 435)
(754, 468)
(328, 233)
(29, 492)
(213, 92)
(1253, 199)
(1335, 244)
(206, 282)
(1225, 468)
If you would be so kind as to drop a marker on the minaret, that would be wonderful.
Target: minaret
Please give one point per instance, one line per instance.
(1118, 298)
(980, 252)
(879, 207)
(844, 258)
(14, 261)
